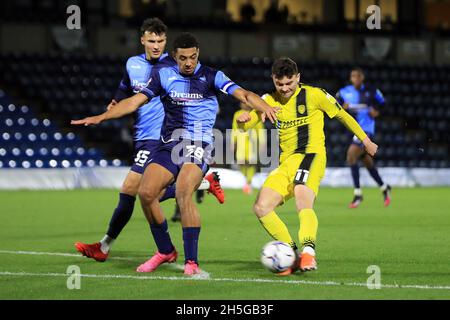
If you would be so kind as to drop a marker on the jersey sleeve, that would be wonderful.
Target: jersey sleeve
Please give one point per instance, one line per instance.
(339, 97)
(224, 84)
(327, 103)
(124, 90)
(347, 120)
(154, 87)
(378, 99)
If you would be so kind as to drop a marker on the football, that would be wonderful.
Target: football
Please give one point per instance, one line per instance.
(277, 256)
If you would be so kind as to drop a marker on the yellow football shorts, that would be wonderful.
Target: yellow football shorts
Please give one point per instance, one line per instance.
(307, 169)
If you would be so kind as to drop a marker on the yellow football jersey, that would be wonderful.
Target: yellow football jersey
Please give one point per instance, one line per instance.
(248, 142)
(300, 120)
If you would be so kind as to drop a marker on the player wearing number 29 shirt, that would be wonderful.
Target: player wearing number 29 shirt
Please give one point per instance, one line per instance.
(188, 92)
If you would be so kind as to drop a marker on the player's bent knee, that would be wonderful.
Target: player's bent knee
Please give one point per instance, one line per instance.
(130, 188)
(131, 184)
(146, 195)
(351, 160)
(183, 193)
(260, 209)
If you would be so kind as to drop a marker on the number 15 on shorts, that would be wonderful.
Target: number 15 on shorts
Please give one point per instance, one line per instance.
(141, 158)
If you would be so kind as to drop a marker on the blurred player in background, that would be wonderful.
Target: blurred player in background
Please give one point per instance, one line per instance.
(147, 128)
(303, 157)
(189, 95)
(364, 103)
(247, 145)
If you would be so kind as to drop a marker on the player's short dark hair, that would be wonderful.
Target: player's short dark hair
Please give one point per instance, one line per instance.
(185, 40)
(153, 25)
(284, 67)
(359, 69)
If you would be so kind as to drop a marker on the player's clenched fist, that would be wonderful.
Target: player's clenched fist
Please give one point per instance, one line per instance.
(244, 117)
(371, 147)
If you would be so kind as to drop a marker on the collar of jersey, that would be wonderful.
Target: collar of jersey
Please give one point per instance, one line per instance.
(165, 54)
(360, 89)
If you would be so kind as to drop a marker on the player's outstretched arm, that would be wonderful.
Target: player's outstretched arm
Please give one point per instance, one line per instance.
(122, 108)
(256, 103)
(351, 124)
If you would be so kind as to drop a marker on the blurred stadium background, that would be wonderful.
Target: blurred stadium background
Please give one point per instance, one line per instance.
(50, 74)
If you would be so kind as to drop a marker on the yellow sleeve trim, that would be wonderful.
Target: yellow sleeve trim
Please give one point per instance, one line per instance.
(347, 120)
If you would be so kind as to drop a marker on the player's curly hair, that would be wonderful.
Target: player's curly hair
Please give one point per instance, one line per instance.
(185, 40)
(284, 67)
(153, 25)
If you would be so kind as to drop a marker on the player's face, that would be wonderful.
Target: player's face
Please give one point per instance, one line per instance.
(187, 59)
(356, 78)
(154, 44)
(286, 86)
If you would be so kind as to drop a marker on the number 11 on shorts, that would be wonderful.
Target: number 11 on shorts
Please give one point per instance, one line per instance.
(301, 176)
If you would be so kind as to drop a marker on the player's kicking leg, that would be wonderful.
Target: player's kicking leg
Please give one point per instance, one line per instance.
(155, 179)
(373, 171)
(122, 214)
(99, 251)
(266, 202)
(354, 152)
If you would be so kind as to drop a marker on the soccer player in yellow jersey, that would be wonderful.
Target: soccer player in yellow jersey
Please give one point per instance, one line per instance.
(247, 145)
(302, 158)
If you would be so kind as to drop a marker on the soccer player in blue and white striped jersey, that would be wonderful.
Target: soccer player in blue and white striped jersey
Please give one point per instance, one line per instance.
(364, 103)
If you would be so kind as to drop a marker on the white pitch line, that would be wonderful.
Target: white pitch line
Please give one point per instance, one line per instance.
(204, 276)
(61, 254)
(247, 280)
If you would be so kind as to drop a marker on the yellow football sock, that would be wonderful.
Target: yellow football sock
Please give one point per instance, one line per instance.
(308, 228)
(250, 173)
(276, 228)
(243, 169)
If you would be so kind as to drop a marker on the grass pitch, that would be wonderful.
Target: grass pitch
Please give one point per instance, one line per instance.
(408, 242)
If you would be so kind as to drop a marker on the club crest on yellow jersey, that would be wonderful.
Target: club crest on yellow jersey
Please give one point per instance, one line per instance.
(301, 109)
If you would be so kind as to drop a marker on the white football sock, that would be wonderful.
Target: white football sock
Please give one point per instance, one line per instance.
(106, 243)
(383, 187)
(204, 185)
(309, 250)
(358, 192)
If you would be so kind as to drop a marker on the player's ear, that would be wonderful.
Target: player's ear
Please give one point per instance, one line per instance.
(142, 40)
(298, 77)
(198, 52)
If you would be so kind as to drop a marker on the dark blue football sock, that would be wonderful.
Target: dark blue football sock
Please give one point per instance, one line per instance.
(190, 239)
(375, 175)
(355, 175)
(121, 215)
(170, 193)
(161, 235)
